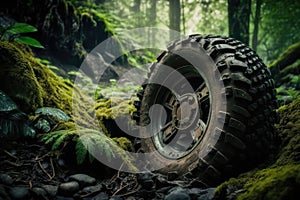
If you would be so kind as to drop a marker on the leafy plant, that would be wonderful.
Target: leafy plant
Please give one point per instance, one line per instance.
(88, 143)
(14, 31)
(13, 122)
(117, 91)
(54, 112)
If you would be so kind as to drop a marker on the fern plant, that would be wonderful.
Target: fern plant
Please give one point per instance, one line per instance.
(14, 33)
(89, 143)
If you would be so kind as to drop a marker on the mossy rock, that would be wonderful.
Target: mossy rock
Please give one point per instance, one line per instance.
(32, 85)
(278, 177)
(18, 79)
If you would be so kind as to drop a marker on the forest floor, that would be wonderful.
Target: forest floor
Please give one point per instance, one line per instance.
(29, 171)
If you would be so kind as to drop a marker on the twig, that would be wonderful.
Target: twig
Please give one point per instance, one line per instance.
(11, 163)
(116, 176)
(30, 184)
(8, 153)
(40, 164)
(121, 188)
(128, 193)
(53, 170)
(43, 156)
(113, 178)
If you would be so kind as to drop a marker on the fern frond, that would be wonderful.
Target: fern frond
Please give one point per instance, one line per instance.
(59, 140)
(92, 143)
(56, 138)
(50, 137)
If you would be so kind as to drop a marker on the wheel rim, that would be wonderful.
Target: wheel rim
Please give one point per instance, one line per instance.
(187, 116)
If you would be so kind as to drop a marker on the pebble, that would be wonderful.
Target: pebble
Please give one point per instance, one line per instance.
(83, 179)
(153, 186)
(202, 194)
(101, 196)
(6, 179)
(178, 193)
(39, 193)
(19, 193)
(116, 198)
(146, 180)
(2, 192)
(68, 189)
(51, 190)
(92, 189)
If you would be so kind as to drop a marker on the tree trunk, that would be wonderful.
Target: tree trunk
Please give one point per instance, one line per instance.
(238, 19)
(257, 18)
(136, 6)
(183, 16)
(174, 16)
(151, 15)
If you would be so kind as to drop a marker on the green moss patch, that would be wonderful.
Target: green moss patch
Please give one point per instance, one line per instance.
(279, 177)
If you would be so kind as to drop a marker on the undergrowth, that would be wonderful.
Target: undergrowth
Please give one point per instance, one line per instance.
(89, 144)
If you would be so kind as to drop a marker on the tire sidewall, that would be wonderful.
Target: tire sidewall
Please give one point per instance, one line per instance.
(180, 56)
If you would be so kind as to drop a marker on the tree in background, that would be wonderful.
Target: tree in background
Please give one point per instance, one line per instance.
(279, 27)
(174, 16)
(256, 22)
(239, 19)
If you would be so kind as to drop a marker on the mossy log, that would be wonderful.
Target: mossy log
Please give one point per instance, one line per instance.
(282, 66)
(32, 85)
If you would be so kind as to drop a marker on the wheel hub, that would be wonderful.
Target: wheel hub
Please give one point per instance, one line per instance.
(184, 113)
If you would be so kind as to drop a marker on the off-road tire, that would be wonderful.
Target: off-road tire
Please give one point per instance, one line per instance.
(248, 132)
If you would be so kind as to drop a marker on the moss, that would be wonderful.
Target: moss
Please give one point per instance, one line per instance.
(86, 15)
(18, 79)
(32, 85)
(289, 132)
(274, 183)
(287, 57)
(124, 143)
(279, 177)
(279, 67)
(111, 108)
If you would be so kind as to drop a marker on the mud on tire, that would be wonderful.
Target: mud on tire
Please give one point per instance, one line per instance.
(226, 138)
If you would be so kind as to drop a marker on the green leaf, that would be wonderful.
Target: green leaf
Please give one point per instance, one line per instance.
(29, 41)
(55, 112)
(18, 28)
(50, 137)
(81, 152)
(59, 141)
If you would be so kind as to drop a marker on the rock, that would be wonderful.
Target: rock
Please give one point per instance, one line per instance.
(202, 194)
(116, 198)
(39, 193)
(68, 189)
(83, 179)
(101, 196)
(6, 179)
(146, 180)
(50, 189)
(3, 192)
(19, 193)
(63, 198)
(89, 190)
(177, 193)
